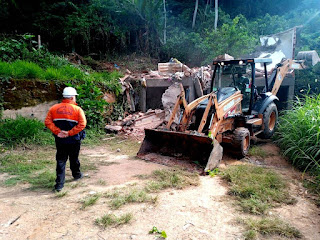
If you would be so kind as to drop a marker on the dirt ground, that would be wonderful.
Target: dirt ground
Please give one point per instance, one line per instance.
(202, 212)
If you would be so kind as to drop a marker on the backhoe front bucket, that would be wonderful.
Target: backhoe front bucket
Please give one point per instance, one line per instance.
(181, 145)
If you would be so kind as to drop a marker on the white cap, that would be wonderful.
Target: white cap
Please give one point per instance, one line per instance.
(69, 92)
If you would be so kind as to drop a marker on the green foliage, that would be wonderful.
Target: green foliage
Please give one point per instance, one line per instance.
(31, 167)
(61, 194)
(162, 234)
(90, 86)
(118, 198)
(121, 27)
(90, 200)
(214, 172)
(171, 178)
(270, 227)
(299, 133)
(24, 48)
(313, 186)
(307, 81)
(113, 220)
(258, 152)
(22, 130)
(256, 188)
(90, 99)
(233, 39)
(26, 70)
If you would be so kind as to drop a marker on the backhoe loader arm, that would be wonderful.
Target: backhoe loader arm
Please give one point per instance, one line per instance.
(282, 70)
(188, 108)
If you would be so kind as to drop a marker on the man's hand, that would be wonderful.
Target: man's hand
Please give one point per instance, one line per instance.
(63, 134)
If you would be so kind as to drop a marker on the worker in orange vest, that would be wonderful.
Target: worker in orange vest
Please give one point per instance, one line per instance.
(67, 121)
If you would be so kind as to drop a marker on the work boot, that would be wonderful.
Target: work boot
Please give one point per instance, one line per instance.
(78, 178)
(57, 190)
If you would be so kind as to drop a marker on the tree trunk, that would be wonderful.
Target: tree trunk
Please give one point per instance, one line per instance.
(195, 14)
(207, 5)
(165, 23)
(216, 15)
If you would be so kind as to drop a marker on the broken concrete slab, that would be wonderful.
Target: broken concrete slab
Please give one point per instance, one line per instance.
(169, 98)
(112, 129)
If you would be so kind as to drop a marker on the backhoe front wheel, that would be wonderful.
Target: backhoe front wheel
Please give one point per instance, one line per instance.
(270, 118)
(241, 142)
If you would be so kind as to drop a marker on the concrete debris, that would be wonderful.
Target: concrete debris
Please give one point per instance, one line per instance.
(112, 129)
(223, 57)
(169, 99)
(311, 57)
(134, 124)
(276, 57)
(144, 90)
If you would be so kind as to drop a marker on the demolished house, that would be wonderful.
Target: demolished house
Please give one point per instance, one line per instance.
(159, 89)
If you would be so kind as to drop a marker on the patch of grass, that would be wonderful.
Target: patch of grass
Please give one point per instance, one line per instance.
(250, 235)
(33, 167)
(112, 220)
(102, 182)
(89, 201)
(22, 130)
(43, 180)
(126, 146)
(269, 226)
(142, 176)
(257, 189)
(313, 185)
(87, 165)
(94, 137)
(77, 184)
(120, 198)
(171, 178)
(258, 152)
(61, 194)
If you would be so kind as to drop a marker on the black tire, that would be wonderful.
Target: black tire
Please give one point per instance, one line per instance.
(270, 118)
(241, 142)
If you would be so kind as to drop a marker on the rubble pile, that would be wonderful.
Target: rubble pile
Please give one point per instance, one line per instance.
(134, 124)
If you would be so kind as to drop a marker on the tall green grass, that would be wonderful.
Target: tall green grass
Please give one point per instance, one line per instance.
(20, 69)
(299, 133)
(22, 130)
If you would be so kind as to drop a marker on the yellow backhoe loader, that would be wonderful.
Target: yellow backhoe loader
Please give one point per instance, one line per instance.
(228, 116)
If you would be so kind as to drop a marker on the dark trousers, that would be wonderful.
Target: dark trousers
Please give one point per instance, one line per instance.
(63, 152)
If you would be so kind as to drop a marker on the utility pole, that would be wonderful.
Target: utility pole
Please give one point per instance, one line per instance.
(165, 23)
(216, 15)
(195, 14)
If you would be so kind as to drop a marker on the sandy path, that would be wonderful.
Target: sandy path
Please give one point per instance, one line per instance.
(202, 212)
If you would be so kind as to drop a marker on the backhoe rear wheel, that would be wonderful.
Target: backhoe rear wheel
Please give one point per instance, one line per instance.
(270, 118)
(241, 142)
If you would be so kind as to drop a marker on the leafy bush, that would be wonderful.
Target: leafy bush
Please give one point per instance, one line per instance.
(299, 133)
(5, 69)
(23, 130)
(307, 81)
(28, 70)
(90, 99)
(24, 48)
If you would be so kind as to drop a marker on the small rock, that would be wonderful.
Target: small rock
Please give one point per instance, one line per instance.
(118, 150)
(133, 237)
(92, 192)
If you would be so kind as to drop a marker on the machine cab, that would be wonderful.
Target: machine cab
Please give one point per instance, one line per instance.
(233, 75)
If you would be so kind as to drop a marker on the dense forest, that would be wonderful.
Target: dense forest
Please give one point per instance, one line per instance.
(194, 31)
